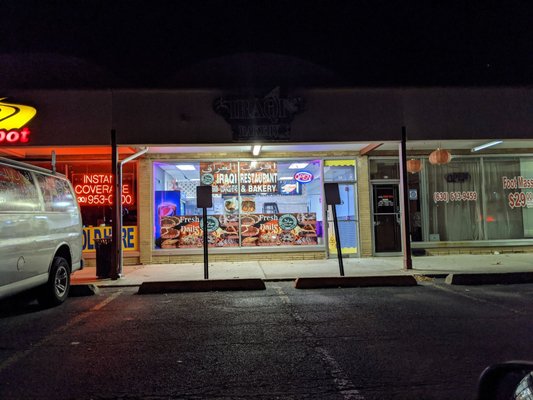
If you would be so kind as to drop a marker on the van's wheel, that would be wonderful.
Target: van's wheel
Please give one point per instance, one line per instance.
(55, 291)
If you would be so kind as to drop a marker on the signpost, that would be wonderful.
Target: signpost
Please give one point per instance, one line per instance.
(204, 200)
(331, 190)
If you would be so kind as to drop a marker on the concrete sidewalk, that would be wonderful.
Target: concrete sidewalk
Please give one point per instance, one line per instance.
(277, 270)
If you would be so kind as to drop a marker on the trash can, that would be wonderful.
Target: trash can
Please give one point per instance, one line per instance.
(104, 257)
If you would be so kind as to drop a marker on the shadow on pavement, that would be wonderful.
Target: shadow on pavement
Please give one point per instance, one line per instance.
(23, 303)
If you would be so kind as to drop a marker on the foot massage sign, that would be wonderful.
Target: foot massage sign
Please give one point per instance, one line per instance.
(13, 121)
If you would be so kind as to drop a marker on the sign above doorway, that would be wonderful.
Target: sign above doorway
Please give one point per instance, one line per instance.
(259, 119)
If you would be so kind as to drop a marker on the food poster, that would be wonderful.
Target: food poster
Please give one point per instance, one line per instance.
(186, 231)
(222, 176)
(248, 204)
(297, 229)
(180, 232)
(258, 177)
(231, 204)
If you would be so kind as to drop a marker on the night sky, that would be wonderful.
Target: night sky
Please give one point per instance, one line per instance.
(374, 43)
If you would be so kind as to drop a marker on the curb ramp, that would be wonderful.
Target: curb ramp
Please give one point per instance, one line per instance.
(201, 286)
(83, 290)
(503, 278)
(354, 281)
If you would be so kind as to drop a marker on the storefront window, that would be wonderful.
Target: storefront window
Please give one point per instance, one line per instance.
(509, 189)
(255, 203)
(473, 198)
(384, 169)
(343, 172)
(93, 186)
(455, 200)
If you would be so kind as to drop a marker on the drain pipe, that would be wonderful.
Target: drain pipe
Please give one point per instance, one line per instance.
(119, 225)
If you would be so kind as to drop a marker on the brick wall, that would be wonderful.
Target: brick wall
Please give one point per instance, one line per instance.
(198, 258)
(363, 202)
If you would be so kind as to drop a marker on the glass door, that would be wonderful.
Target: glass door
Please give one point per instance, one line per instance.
(386, 217)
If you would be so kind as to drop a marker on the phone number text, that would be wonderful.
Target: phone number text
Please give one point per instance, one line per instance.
(454, 196)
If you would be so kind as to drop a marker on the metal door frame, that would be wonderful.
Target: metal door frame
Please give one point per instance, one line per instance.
(383, 182)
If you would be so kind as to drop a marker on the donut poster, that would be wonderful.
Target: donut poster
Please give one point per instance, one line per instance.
(290, 229)
(295, 229)
(186, 231)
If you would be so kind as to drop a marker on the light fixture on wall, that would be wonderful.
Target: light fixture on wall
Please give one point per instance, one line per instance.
(484, 146)
(440, 156)
(186, 167)
(256, 149)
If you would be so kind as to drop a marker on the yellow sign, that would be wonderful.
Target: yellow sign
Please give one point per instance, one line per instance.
(15, 116)
(129, 237)
(339, 163)
(332, 245)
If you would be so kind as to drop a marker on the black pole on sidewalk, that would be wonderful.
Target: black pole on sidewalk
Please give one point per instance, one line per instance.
(337, 239)
(204, 200)
(116, 231)
(404, 186)
(204, 228)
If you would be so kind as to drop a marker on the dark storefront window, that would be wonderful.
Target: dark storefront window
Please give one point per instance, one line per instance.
(255, 203)
(472, 198)
(509, 192)
(455, 200)
(384, 169)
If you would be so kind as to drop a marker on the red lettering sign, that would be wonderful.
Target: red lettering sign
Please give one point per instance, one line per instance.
(14, 136)
(97, 190)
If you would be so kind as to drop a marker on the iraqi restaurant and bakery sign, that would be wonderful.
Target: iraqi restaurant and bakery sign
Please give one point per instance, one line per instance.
(266, 118)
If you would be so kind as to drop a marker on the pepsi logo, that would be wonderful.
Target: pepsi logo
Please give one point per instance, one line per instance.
(303, 176)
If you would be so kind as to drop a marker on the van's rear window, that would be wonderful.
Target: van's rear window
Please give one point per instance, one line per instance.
(17, 190)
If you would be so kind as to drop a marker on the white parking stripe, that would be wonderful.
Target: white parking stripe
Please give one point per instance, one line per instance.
(73, 321)
(344, 385)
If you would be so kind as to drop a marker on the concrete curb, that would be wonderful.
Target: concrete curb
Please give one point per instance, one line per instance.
(505, 278)
(201, 286)
(83, 290)
(355, 281)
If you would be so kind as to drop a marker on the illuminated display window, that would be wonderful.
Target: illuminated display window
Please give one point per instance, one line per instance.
(262, 203)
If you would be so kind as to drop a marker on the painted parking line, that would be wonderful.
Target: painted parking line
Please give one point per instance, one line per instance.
(19, 355)
(340, 379)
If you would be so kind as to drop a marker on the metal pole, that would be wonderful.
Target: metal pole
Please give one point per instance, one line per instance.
(337, 239)
(404, 188)
(204, 228)
(116, 231)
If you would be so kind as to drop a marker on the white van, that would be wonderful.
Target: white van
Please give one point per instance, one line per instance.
(40, 232)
